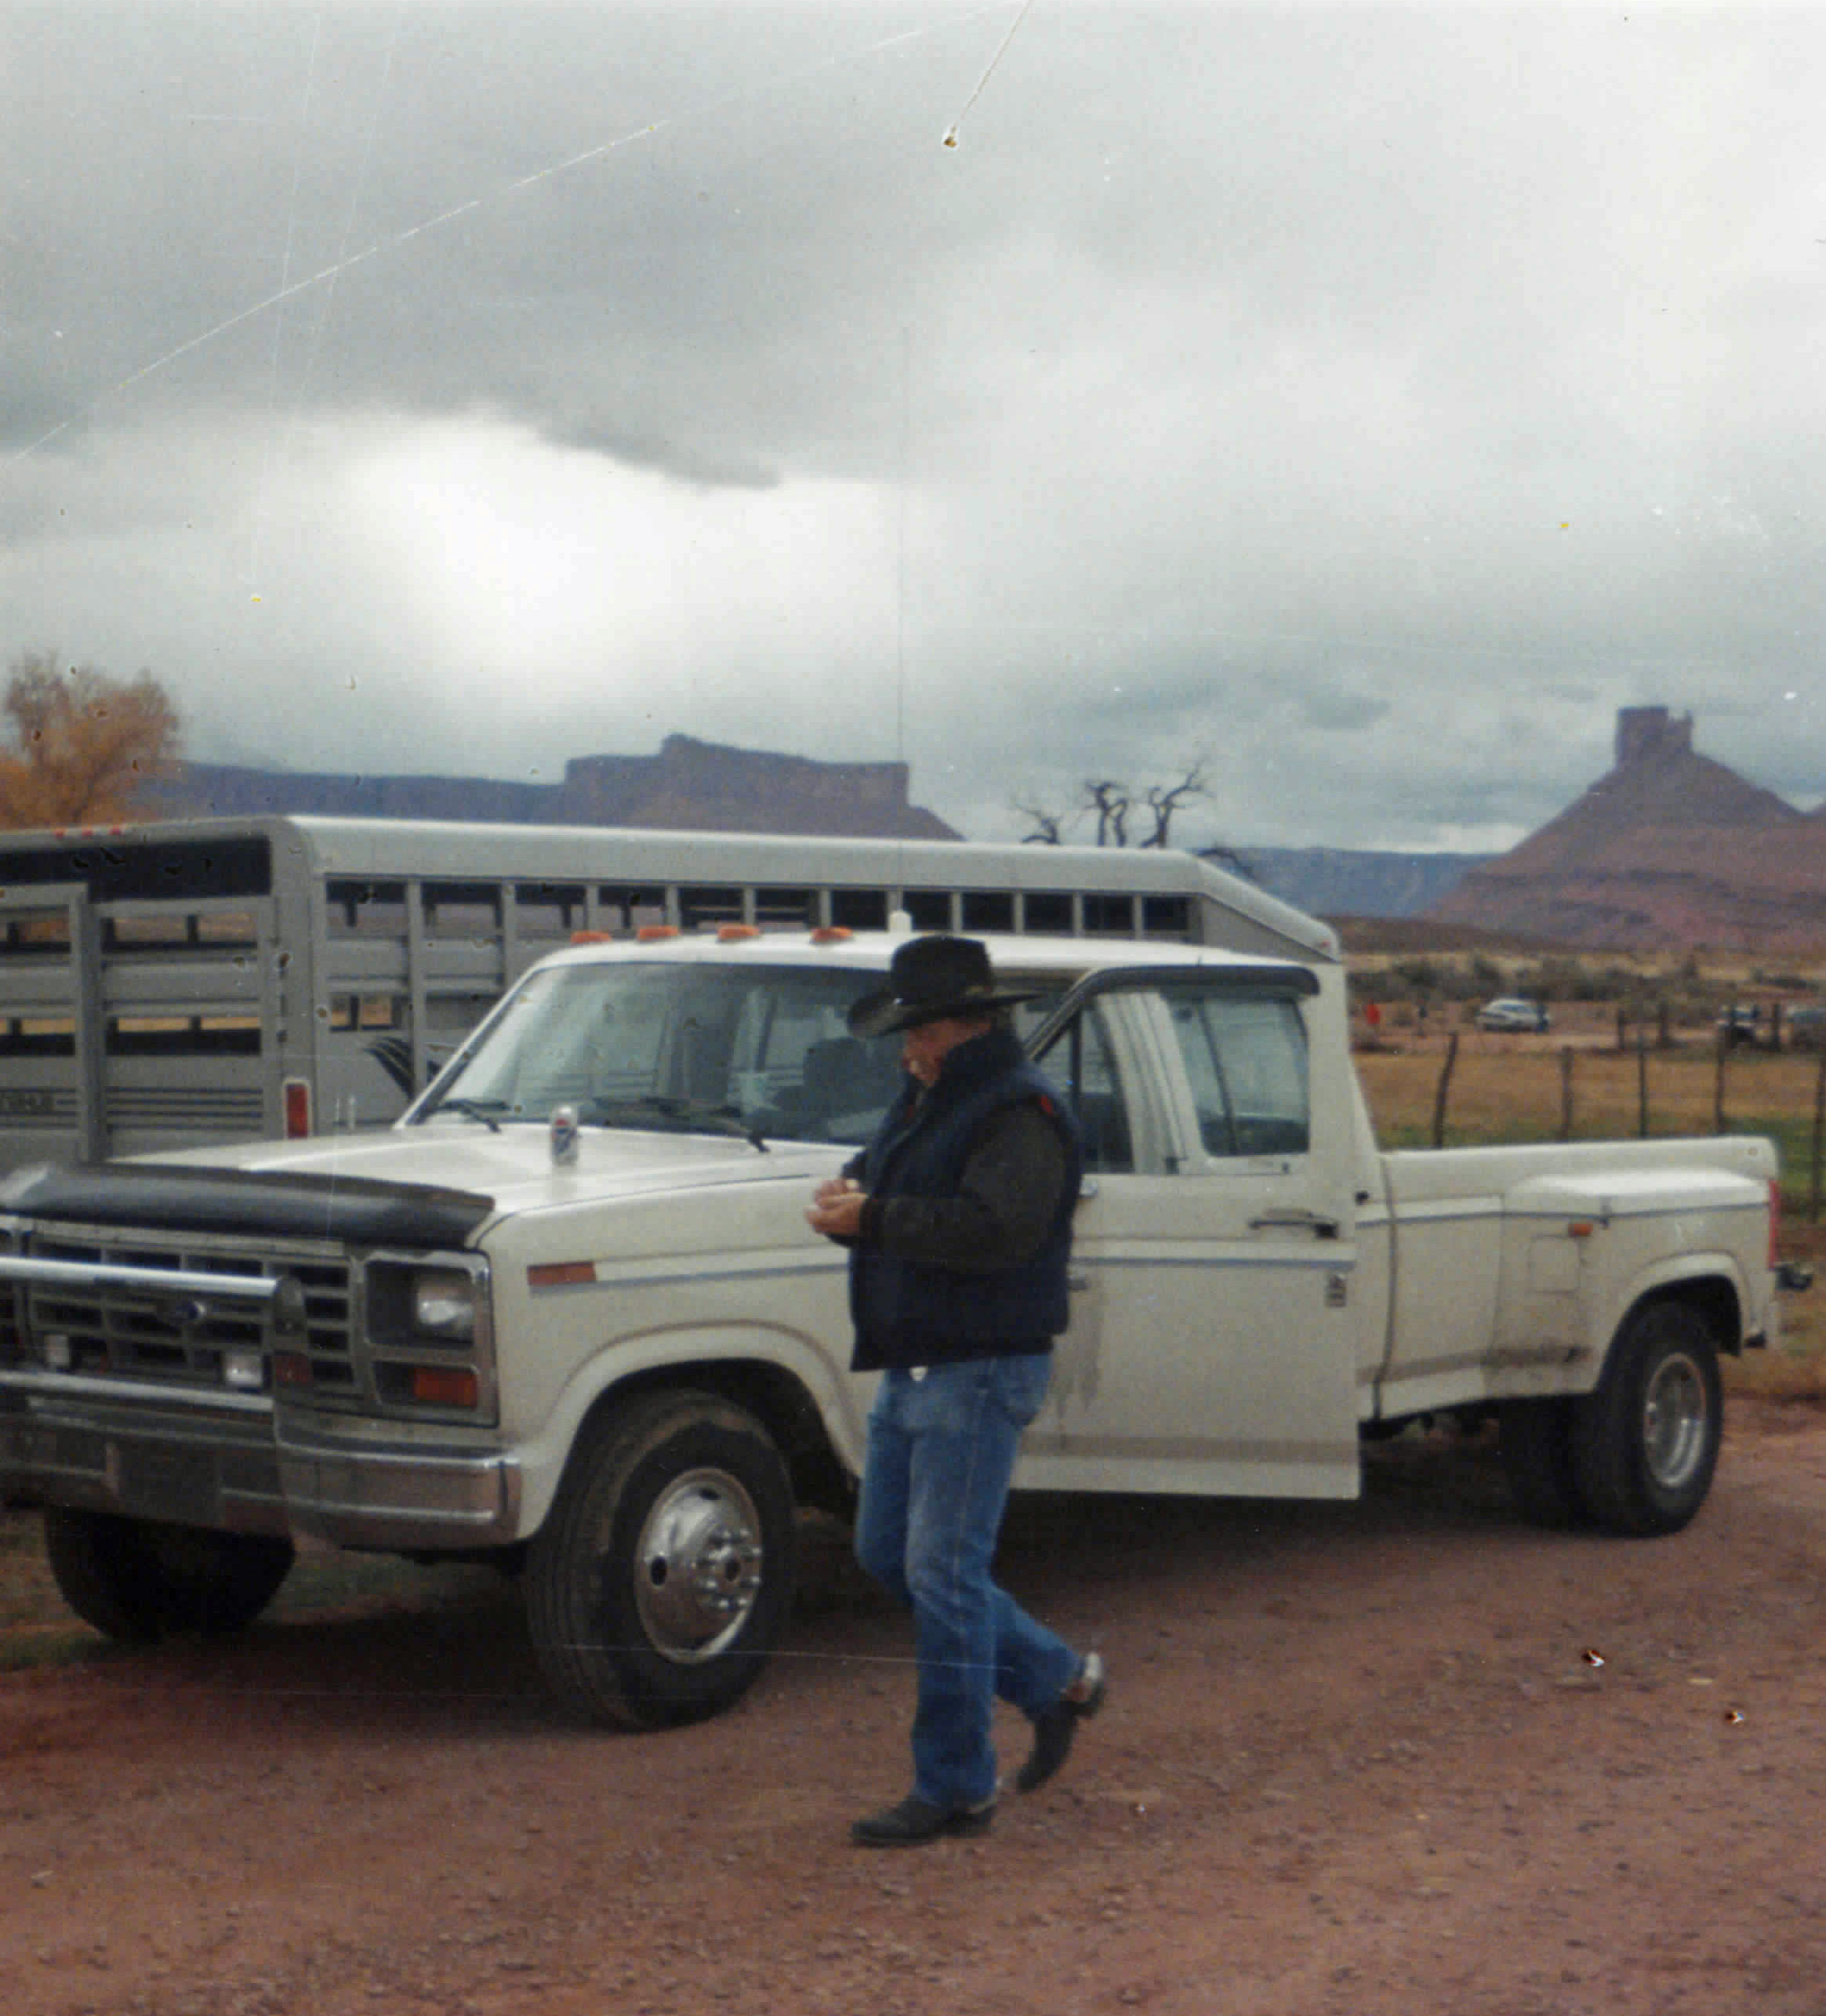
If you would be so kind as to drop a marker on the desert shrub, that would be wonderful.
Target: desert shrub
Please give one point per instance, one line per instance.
(1559, 977)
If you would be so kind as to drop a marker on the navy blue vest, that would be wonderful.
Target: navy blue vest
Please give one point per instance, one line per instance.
(908, 1312)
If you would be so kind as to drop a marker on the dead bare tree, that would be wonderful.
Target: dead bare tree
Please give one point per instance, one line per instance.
(1111, 802)
(1227, 857)
(1048, 826)
(1164, 799)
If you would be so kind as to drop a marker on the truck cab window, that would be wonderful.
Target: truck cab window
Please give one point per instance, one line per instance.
(632, 1043)
(797, 1072)
(1245, 1058)
(1081, 1063)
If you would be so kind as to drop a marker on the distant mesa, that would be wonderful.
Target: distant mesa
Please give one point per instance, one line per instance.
(690, 786)
(1668, 848)
(1340, 882)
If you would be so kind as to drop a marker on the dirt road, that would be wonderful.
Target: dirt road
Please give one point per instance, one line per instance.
(1356, 1759)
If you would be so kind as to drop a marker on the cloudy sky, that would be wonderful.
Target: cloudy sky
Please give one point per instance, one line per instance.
(1363, 401)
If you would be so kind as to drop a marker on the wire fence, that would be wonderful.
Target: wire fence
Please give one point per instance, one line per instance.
(1467, 1088)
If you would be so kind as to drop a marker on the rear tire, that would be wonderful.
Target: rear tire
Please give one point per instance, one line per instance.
(659, 1582)
(136, 1579)
(1537, 1460)
(1645, 1443)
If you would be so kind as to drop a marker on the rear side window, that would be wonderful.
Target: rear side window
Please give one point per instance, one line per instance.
(1245, 1057)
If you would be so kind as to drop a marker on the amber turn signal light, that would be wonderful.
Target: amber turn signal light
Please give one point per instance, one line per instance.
(445, 1386)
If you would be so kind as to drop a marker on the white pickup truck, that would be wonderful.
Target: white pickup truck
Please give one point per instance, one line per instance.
(619, 1367)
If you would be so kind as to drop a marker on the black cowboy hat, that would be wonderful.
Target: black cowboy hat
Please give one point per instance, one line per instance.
(930, 978)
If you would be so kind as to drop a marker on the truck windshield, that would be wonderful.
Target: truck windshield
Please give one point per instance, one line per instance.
(687, 1046)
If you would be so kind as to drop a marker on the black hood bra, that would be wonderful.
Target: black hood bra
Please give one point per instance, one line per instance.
(355, 1211)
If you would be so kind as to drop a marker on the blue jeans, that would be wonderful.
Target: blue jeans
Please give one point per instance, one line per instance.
(934, 1482)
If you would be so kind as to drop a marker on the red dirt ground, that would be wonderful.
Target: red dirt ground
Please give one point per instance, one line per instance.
(1357, 1760)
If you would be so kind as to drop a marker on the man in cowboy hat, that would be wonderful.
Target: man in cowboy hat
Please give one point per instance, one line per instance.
(958, 1218)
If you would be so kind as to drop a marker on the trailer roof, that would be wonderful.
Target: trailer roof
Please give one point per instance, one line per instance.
(456, 850)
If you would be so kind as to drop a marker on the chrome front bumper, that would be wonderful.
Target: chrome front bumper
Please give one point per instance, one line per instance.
(93, 1444)
(396, 1496)
(147, 1453)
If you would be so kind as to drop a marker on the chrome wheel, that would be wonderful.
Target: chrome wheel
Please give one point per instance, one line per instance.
(698, 1566)
(663, 1575)
(1645, 1441)
(1676, 1421)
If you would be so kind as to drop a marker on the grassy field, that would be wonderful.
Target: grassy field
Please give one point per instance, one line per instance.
(1509, 1089)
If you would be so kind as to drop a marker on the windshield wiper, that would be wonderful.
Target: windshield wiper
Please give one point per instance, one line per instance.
(717, 1119)
(482, 1109)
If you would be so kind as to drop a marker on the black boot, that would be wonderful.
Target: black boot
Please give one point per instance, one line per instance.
(915, 1822)
(1054, 1728)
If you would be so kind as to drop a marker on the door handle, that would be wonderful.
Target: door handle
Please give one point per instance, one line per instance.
(1297, 1219)
(1077, 1282)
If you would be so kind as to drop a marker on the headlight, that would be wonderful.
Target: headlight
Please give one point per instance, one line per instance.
(427, 1331)
(444, 1307)
(414, 1303)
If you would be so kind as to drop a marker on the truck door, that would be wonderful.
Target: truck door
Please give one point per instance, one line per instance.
(1212, 1345)
(51, 1033)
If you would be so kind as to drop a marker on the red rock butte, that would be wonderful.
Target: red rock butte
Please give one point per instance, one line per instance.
(1667, 848)
(692, 786)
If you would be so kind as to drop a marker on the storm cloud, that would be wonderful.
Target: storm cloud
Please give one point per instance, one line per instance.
(1363, 401)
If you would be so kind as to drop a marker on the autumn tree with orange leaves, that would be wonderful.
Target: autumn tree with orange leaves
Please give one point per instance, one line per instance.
(84, 747)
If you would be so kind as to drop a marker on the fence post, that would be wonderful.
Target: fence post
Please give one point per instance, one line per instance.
(1566, 1091)
(1641, 1079)
(1440, 1090)
(1718, 1087)
(1622, 1029)
(1819, 1139)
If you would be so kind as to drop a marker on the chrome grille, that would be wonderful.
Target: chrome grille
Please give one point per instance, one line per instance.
(114, 1328)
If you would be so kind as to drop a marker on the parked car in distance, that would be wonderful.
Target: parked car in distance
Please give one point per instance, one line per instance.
(1741, 1024)
(1512, 1013)
(1806, 1028)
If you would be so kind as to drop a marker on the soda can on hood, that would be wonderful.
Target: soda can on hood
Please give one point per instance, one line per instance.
(565, 1136)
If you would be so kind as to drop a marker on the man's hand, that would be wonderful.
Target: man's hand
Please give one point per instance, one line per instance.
(836, 1208)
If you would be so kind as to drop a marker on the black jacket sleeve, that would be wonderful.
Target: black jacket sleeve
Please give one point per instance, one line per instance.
(1012, 1178)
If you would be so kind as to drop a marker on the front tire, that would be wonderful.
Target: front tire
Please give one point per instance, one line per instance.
(662, 1577)
(136, 1579)
(95, 1559)
(1645, 1443)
